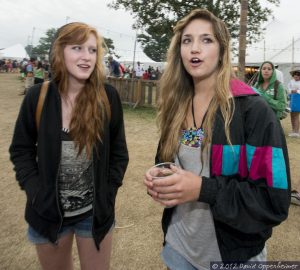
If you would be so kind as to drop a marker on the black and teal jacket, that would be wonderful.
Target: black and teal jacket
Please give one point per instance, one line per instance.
(36, 158)
(249, 185)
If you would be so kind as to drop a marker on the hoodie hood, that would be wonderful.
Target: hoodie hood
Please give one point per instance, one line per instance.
(273, 78)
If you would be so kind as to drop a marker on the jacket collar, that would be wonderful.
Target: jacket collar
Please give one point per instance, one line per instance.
(239, 88)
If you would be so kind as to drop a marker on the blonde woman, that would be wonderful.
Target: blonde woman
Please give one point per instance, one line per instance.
(72, 166)
(231, 183)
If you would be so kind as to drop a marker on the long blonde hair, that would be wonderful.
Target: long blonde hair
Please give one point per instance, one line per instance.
(92, 106)
(177, 88)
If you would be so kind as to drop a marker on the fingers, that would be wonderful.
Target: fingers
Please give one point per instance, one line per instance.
(152, 193)
(166, 181)
(167, 203)
(169, 196)
(175, 169)
(148, 176)
(163, 189)
(167, 189)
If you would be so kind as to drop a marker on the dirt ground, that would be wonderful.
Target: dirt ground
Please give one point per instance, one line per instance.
(137, 238)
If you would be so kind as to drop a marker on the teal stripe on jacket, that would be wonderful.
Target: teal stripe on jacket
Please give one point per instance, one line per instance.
(231, 159)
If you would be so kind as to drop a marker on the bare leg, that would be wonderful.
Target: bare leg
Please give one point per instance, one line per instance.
(56, 257)
(296, 122)
(90, 257)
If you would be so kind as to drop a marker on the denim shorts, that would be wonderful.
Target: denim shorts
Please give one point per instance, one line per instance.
(81, 229)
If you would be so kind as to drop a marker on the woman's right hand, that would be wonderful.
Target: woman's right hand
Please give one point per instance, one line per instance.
(181, 187)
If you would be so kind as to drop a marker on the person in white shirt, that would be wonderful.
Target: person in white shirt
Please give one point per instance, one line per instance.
(294, 91)
(279, 75)
(138, 71)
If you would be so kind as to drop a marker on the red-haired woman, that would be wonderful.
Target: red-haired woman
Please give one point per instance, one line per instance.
(71, 168)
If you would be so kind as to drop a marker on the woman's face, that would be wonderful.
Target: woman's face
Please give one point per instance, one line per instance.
(296, 76)
(80, 59)
(200, 50)
(266, 71)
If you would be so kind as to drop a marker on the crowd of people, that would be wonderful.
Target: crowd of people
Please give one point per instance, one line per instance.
(229, 184)
(9, 65)
(119, 70)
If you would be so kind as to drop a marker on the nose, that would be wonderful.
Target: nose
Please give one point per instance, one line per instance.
(86, 55)
(196, 48)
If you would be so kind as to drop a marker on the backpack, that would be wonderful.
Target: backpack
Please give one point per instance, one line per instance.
(40, 104)
(276, 84)
(287, 109)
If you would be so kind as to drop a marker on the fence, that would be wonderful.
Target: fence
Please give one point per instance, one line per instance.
(136, 92)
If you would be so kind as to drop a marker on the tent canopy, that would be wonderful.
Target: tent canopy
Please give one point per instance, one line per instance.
(17, 52)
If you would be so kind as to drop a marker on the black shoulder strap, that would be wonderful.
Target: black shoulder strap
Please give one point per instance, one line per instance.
(276, 84)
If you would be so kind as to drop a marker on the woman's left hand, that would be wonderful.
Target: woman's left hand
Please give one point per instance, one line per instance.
(182, 186)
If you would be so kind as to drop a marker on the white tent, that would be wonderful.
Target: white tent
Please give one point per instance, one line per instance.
(14, 52)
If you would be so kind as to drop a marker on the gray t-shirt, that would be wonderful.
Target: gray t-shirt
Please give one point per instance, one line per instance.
(75, 185)
(192, 231)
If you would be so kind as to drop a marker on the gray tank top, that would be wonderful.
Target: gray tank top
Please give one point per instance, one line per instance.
(192, 231)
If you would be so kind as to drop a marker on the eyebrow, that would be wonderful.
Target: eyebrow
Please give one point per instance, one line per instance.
(202, 35)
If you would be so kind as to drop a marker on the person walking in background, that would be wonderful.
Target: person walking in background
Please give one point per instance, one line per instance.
(271, 89)
(29, 78)
(145, 75)
(232, 180)
(279, 74)
(294, 92)
(138, 71)
(114, 68)
(72, 166)
(39, 73)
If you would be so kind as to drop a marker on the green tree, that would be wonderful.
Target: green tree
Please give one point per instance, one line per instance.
(43, 48)
(28, 49)
(156, 19)
(109, 46)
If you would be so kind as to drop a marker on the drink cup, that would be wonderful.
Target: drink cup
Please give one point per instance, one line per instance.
(161, 170)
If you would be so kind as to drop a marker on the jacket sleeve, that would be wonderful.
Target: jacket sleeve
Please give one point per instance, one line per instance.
(118, 160)
(255, 198)
(23, 150)
(278, 104)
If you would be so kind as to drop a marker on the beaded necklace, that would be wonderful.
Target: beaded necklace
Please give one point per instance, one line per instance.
(194, 136)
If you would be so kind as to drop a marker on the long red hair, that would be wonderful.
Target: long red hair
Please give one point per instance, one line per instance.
(92, 107)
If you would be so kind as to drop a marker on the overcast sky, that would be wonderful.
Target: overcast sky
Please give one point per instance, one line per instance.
(25, 21)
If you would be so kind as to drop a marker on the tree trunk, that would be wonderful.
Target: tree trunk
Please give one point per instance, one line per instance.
(242, 39)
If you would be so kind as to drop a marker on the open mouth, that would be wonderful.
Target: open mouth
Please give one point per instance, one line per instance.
(195, 60)
(84, 66)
